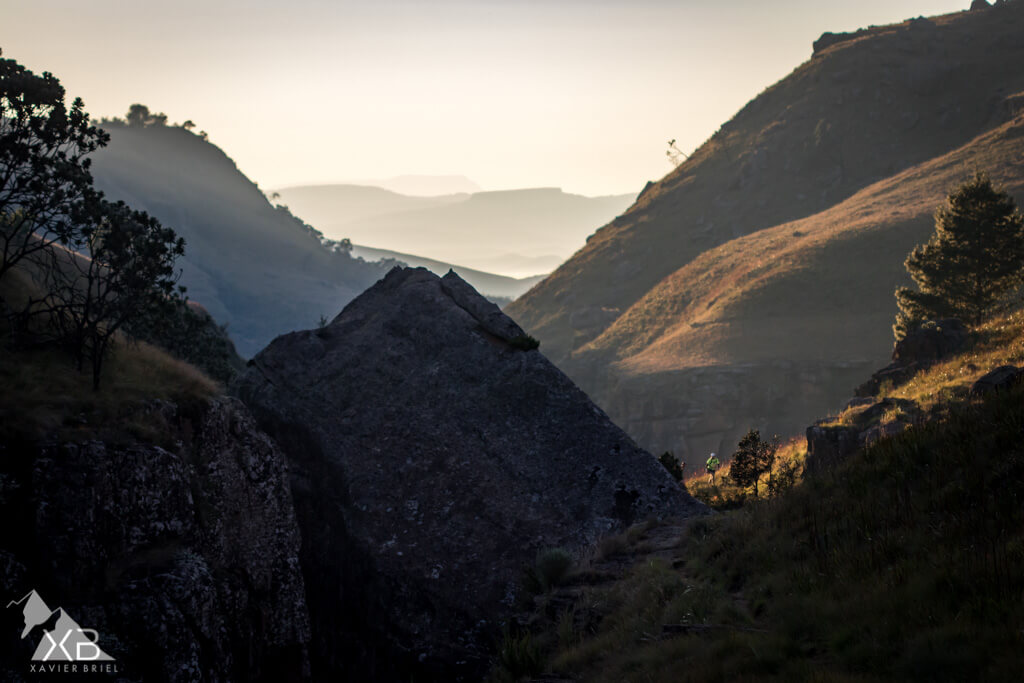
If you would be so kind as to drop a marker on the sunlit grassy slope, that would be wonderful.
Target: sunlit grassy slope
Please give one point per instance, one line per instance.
(997, 342)
(873, 116)
(817, 288)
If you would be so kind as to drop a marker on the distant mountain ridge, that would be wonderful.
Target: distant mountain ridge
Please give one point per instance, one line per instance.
(498, 231)
(753, 285)
(419, 185)
(494, 286)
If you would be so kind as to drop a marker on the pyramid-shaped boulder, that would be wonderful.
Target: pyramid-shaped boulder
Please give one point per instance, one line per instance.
(434, 454)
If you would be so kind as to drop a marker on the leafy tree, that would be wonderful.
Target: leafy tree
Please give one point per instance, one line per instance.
(753, 458)
(44, 175)
(139, 116)
(119, 267)
(972, 260)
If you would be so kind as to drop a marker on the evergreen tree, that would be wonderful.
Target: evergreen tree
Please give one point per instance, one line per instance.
(753, 458)
(974, 257)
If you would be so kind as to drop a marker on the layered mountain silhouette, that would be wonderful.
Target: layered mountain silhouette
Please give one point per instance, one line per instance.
(420, 185)
(753, 286)
(493, 286)
(433, 454)
(502, 232)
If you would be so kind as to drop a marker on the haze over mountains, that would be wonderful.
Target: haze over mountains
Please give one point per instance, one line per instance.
(423, 185)
(753, 286)
(517, 233)
(501, 289)
(254, 266)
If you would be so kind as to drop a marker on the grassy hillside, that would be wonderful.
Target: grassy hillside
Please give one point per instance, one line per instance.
(905, 562)
(752, 286)
(252, 266)
(819, 287)
(857, 112)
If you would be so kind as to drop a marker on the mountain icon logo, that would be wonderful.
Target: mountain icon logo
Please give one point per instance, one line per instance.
(63, 639)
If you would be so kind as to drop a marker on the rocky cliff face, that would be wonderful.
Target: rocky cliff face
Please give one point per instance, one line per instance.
(432, 457)
(183, 555)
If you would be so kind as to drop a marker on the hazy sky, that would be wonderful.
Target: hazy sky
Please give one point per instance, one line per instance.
(581, 94)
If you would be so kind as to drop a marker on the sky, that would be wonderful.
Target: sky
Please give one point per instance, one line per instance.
(578, 94)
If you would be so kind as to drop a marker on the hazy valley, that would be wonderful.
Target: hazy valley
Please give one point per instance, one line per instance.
(514, 232)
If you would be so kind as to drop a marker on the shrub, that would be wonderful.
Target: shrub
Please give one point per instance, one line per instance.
(552, 566)
(669, 462)
(519, 654)
(524, 342)
(188, 332)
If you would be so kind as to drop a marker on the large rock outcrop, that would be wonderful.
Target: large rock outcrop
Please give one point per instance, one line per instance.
(433, 456)
(181, 551)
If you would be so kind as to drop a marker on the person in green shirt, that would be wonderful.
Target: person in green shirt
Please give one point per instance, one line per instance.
(712, 466)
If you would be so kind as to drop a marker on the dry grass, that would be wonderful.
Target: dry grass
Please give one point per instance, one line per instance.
(44, 393)
(1000, 341)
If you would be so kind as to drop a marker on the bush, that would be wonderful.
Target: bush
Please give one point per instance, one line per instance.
(188, 332)
(519, 655)
(669, 462)
(552, 566)
(524, 342)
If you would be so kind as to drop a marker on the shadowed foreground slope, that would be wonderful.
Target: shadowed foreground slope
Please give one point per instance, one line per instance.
(900, 561)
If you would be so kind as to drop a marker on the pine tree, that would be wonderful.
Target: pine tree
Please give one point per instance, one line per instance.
(974, 257)
(753, 458)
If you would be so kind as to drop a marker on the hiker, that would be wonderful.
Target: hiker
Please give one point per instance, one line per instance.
(712, 466)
